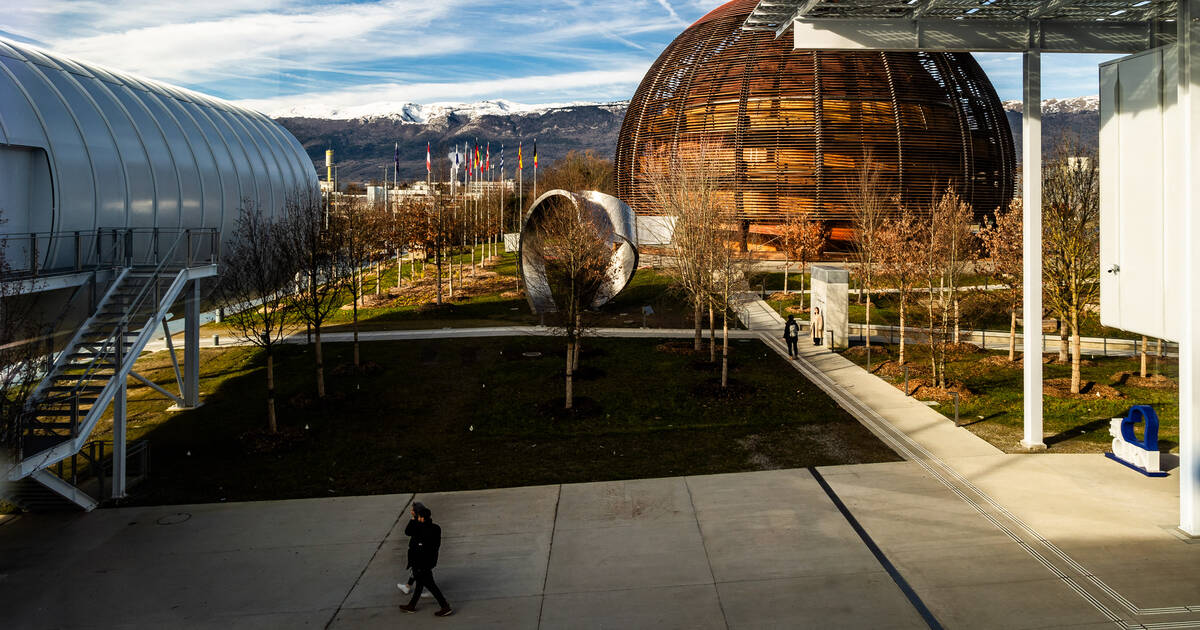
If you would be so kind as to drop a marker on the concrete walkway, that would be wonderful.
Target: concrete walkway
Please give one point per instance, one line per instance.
(958, 535)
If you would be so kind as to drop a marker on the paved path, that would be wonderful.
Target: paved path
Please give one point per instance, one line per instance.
(958, 535)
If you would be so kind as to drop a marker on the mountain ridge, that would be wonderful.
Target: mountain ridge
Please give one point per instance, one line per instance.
(364, 144)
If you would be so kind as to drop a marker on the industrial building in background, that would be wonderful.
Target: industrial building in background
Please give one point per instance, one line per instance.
(115, 192)
(794, 127)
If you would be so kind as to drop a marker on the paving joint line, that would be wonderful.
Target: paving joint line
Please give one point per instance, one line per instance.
(901, 442)
(342, 604)
(549, 555)
(707, 557)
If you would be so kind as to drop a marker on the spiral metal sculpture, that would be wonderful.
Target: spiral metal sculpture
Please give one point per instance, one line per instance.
(615, 222)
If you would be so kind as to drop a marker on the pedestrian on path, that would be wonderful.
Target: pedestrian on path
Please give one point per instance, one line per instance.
(406, 587)
(818, 326)
(791, 334)
(426, 541)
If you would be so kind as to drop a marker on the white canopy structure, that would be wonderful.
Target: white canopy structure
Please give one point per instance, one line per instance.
(1032, 27)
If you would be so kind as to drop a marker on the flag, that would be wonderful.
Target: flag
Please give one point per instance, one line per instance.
(502, 159)
(535, 154)
(397, 158)
(520, 157)
(428, 159)
(488, 164)
(478, 162)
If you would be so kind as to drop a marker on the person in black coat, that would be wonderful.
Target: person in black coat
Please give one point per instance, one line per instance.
(424, 543)
(791, 334)
(406, 587)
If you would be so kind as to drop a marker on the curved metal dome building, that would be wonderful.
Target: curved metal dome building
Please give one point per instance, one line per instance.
(798, 125)
(84, 148)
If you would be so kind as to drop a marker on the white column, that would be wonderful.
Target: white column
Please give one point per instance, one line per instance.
(1031, 178)
(1189, 343)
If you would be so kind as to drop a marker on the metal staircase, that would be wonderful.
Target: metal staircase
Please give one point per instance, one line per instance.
(90, 372)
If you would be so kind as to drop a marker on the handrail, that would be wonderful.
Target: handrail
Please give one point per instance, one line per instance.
(90, 249)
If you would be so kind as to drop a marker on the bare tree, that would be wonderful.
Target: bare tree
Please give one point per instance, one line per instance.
(813, 238)
(945, 246)
(685, 183)
(1004, 244)
(872, 201)
(578, 171)
(577, 256)
(729, 268)
(318, 251)
(256, 274)
(360, 244)
(898, 244)
(1071, 238)
(23, 356)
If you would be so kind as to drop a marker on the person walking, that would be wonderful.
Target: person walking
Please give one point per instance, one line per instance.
(818, 326)
(791, 334)
(406, 587)
(423, 556)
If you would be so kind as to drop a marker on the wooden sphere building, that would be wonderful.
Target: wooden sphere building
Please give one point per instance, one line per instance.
(794, 128)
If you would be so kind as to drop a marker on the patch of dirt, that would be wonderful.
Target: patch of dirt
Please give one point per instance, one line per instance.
(734, 391)
(1000, 360)
(1157, 381)
(258, 441)
(921, 389)
(757, 458)
(347, 369)
(861, 351)
(895, 370)
(1061, 388)
(684, 348)
(581, 407)
(795, 309)
(962, 348)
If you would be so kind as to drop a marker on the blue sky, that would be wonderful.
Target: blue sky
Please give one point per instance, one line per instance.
(277, 55)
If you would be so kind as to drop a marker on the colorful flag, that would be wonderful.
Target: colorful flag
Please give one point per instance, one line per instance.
(502, 160)
(488, 163)
(520, 156)
(535, 154)
(397, 157)
(428, 159)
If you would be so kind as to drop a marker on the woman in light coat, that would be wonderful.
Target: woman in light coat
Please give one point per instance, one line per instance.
(818, 326)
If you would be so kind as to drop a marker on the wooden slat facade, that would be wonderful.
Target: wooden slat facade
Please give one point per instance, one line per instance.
(798, 125)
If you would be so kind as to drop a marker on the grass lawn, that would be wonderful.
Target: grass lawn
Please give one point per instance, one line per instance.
(490, 299)
(992, 407)
(463, 414)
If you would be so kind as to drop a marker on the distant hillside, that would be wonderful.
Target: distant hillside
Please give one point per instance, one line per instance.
(363, 146)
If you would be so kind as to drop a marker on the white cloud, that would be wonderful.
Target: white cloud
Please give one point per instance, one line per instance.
(386, 98)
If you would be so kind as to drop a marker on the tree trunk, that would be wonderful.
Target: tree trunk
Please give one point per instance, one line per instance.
(378, 277)
(932, 344)
(724, 352)
(696, 318)
(1076, 348)
(399, 268)
(1012, 335)
(903, 304)
(1064, 335)
(438, 268)
(1158, 348)
(712, 336)
(271, 425)
(320, 365)
(1144, 342)
(867, 337)
(955, 300)
(802, 266)
(570, 373)
(578, 341)
(786, 266)
(356, 335)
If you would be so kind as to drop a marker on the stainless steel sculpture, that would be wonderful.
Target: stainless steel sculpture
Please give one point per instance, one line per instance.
(614, 219)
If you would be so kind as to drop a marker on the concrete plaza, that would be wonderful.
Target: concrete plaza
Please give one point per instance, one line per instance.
(959, 535)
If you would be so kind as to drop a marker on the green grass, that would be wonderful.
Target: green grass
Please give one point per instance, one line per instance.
(463, 414)
(993, 410)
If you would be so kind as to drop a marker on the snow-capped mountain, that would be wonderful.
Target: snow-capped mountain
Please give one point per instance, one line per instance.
(1076, 105)
(418, 113)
